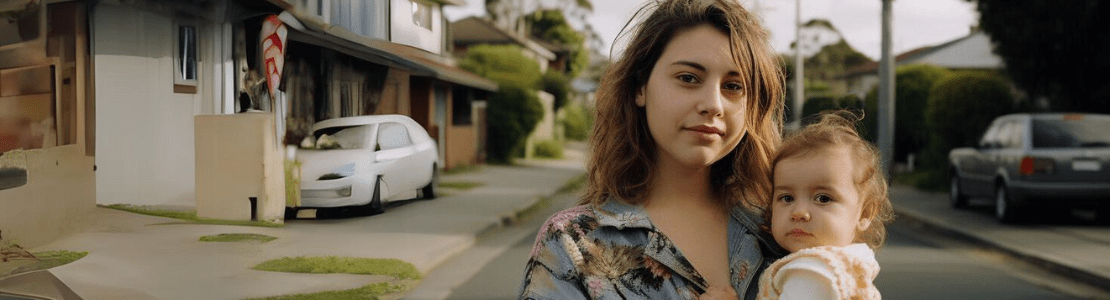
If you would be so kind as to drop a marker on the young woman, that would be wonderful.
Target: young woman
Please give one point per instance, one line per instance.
(687, 120)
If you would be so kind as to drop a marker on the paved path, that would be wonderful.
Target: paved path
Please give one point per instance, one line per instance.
(1078, 250)
(134, 256)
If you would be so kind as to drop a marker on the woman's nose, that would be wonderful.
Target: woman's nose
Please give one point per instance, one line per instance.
(711, 103)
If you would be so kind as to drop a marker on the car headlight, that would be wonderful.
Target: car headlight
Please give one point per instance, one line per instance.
(341, 172)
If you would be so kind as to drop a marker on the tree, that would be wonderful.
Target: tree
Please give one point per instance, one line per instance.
(550, 25)
(1045, 45)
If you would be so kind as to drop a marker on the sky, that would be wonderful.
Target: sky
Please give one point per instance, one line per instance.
(916, 23)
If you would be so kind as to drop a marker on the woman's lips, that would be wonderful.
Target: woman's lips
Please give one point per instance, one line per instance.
(706, 129)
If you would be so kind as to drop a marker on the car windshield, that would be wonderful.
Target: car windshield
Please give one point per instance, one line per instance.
(343, 137)
(1085, 132)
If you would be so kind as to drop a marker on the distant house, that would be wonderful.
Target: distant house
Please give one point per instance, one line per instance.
(103, 102)
(971, 52)
(472, 31)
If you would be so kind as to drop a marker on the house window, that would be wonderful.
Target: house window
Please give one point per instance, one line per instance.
(185, 58)
(422, 14)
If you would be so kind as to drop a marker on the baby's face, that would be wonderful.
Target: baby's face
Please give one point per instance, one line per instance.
(816, 202)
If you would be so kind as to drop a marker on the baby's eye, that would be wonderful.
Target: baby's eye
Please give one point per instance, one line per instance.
(823, 198)
(786, 198)
(687, 78)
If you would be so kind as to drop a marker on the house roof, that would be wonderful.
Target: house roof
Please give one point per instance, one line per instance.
(475, 30)
(872, 67)
(972, 51)
(418, 61)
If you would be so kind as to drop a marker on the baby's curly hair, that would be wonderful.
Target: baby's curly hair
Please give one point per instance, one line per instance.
(838, 129)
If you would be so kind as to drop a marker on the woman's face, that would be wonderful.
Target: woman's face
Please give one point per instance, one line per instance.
(694, 99)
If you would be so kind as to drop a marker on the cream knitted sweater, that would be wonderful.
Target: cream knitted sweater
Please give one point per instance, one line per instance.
(850, 270)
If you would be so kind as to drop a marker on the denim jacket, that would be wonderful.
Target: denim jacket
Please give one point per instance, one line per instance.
(615, 252)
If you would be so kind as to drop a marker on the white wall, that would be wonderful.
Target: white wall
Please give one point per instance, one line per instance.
(145, 141)
(404, 31)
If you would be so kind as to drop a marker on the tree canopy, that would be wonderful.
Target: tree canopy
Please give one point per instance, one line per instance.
(1047, 44)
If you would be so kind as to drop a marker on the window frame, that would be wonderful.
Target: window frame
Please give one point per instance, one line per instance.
(427, 17)
(181, 84)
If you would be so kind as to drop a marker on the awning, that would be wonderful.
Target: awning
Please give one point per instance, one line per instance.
(417, 61)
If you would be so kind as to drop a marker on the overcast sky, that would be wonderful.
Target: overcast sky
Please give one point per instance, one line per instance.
(916, 23)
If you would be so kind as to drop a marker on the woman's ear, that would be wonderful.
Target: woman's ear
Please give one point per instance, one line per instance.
(640, 101)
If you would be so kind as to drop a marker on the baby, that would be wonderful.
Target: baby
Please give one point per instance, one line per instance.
(828, 208)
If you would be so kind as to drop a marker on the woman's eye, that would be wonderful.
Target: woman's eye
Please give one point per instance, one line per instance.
(687, 78)
(823, 198)
(733, 86)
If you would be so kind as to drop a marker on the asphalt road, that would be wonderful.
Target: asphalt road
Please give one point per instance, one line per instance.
(916, 264)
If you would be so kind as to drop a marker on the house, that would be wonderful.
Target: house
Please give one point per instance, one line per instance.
(971, 52)
(117, 101)
(473, 30)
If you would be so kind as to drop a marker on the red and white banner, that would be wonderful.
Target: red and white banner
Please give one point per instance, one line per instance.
(273, 51)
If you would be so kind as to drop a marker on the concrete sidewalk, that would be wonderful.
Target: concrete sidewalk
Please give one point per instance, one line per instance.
(134, 256)
(1078, 251)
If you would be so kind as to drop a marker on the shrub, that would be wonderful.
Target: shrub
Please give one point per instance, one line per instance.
(815, 105)
(558, 85)
(850, 102)
(549, 149)
(575, 122)
(960, 107)
(513, 112)
(912, 85)
(505, 64)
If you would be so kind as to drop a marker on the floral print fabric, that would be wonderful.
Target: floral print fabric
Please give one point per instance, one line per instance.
(614, 252)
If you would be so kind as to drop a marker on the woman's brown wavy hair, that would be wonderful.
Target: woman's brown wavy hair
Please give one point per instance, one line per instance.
(622, 152)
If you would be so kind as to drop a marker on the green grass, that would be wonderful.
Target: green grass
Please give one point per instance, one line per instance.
(348, 265)
(461, 185)
(463, 169)
(48, 259)
(573, 184)
(189, 216)
(928, 180)
(367, 292)
(237, 237)
(548, 149)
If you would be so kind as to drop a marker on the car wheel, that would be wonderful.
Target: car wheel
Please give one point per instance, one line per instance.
(955, 195)
(429, 191)
(375, 205)
(1004, 210)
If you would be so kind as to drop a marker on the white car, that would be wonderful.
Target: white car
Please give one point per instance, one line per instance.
(365, 161)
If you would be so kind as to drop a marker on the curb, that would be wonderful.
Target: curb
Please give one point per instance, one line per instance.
(1052, 266)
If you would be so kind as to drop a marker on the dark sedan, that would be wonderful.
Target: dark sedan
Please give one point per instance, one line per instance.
(1048, 162)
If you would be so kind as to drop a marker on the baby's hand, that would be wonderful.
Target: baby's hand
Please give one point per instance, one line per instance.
(718, 293)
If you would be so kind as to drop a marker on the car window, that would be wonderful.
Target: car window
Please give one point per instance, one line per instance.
(346, 137)
(1000, 137)
(1013, 138)
(1085, 132)
(393, 136)
(991, 136)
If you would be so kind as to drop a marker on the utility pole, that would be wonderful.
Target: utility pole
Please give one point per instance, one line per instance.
(799, 69)
(886, 93)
